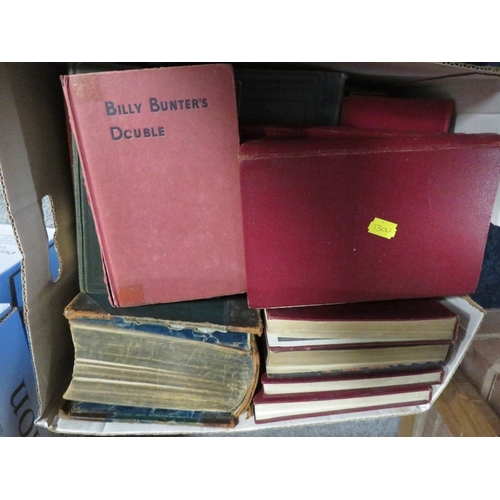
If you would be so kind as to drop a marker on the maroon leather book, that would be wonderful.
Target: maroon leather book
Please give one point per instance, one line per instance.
(363, 219)
(332, 359)
(424, 320)
(349, 381)
(159, 151)
(397, 113)
(284, 407)
(252, 132)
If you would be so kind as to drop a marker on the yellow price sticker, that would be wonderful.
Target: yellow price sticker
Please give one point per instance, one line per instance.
(383, 228)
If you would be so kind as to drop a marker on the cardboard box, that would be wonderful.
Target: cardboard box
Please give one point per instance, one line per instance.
(18, 395)
(11, 291)
(10, 264)
(18, 398)
(34, 162)
(481, 363)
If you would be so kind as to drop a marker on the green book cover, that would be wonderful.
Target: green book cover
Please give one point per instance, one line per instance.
(90, 270)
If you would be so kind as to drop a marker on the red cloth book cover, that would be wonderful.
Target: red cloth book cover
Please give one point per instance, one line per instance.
(331, 359)
(424, 320)
(345, 220)
(159, 155)
(283, 407)
(425, 309)
(349, 381)
(252, 132)
(397, 113)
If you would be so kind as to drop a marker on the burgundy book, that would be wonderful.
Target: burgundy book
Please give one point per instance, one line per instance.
(423, 320)
(252, 132)
(349, 381)
(397, 113)
(285, 407)
(339, 220)
(159, 150)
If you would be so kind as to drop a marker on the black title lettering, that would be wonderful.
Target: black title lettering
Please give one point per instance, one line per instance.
(113, 109)
(118, 133)
(156, 105)
(19, 401)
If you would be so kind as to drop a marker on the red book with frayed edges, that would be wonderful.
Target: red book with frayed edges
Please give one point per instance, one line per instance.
(285, 407)
(349, 381)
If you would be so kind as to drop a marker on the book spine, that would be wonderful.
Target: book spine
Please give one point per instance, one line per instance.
(340, 412)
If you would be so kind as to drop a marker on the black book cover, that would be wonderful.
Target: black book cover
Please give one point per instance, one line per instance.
(301, 98)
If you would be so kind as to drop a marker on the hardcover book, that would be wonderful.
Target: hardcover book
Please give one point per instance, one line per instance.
(198, 356)
(284, 407)
(289, 97)
(424, 320)
(349, 381)
(397, 113)
(90, 270)
(250, 132)
(18, 392)
(98, 412)
(339, 220)
(322, 360)
(158, 149)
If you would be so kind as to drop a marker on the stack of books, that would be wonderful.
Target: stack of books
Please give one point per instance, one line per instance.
(212, 200)
(352, 240)
(350, 357)
(162, 329)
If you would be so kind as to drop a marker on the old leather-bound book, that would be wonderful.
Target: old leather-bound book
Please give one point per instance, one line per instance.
(190, 362)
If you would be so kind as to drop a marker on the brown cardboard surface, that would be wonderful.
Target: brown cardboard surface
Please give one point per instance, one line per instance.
(34, 163)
